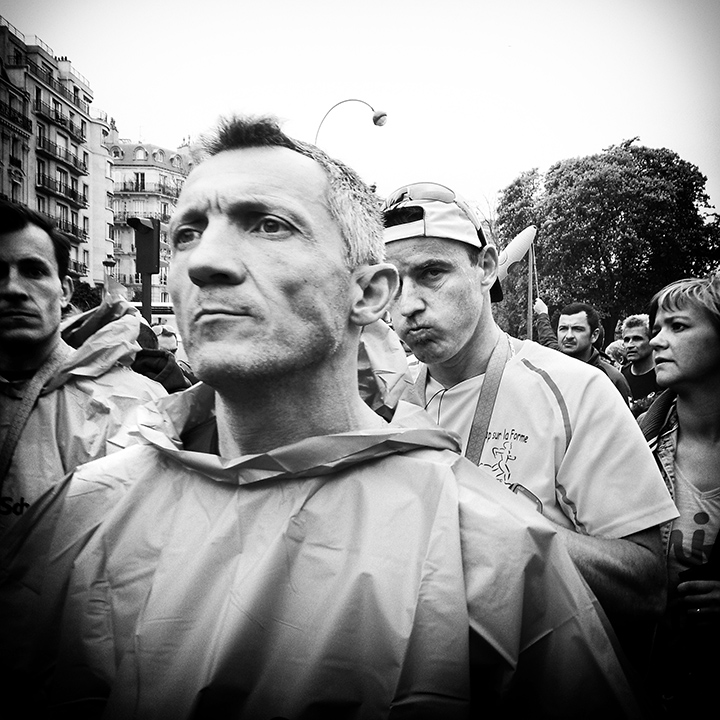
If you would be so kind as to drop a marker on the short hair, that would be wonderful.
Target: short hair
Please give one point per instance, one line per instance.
(616, 350)
(14, 217)
(700, 293)
(591, 313)
(353, 205)
(640, 320)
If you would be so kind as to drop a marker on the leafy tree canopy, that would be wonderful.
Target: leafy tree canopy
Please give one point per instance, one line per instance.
(614, 228)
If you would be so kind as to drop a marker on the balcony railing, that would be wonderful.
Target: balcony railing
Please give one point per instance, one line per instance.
(62, 154)
(15, 116)
(78, 267)
(60, 118)
(62, 189)
(122, 217)
(18, 59)
(72, 229)
(148, 188)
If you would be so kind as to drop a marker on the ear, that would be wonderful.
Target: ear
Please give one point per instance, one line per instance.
(595, 335)
(374, 288)
(489, 263)
(68, 289)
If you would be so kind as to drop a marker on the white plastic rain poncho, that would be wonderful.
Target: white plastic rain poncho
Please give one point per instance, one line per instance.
(335, 577)
(81, 407)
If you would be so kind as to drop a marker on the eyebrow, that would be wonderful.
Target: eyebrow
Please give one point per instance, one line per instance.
(197, 209)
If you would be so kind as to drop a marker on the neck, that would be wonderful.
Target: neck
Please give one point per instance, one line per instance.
(261, 415)
(586, 355)
(698, 411)
(640, 367)
(27, 359)
(472, 360)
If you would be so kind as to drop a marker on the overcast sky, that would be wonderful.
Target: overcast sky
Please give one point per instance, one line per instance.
(476, 91)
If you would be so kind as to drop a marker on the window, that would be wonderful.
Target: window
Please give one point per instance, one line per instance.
(108, 201)
(140, 153)
(41, 204)
(117, 152)
(139, 181)
(86, 225)
(159, 156)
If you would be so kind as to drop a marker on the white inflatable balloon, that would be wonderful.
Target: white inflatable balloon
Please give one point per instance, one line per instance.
(515, 251)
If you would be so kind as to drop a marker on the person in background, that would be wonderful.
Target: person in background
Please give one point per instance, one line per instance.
(640, 368)
(62, 399)
(578, 331)
(157, 364)
(682, 427)
(616, 352)
(272, 547)
(167, 339)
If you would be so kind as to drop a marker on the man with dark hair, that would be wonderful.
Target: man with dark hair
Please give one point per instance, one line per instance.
(272, 547)
(578, 332)
(548, 427)
(59, 407)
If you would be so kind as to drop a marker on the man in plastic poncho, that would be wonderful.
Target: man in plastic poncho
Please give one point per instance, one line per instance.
(272, 547)
(60, 404)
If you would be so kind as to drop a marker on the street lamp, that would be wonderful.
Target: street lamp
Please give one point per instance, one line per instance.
(109, 263)
(379, 117)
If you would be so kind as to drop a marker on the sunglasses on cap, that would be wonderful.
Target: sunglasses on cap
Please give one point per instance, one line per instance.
(430, 192)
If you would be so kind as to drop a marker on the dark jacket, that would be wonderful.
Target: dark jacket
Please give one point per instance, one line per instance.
(548, 338)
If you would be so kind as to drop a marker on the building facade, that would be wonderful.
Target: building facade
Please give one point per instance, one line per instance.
(148, 180)
(54, 157)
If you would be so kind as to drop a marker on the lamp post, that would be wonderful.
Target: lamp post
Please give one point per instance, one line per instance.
(108, 263)
(379, 117)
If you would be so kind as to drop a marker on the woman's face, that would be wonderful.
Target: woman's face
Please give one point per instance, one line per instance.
(686, 347)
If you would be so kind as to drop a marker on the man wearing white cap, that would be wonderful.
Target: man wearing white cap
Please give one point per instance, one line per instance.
(553, 430)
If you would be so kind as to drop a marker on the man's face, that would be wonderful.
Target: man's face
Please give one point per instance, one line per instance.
(258, 277)
(32, 295)
(437, 309)
(574, 335)
(637, 344)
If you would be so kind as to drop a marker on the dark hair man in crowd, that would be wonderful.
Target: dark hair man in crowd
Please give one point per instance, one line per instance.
(545, 425)
(272, 547)
(577, 332)
(640, 368)
(59, 406)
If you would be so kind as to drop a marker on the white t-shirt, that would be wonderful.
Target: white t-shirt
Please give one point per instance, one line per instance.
(560, 429)
(693, 534)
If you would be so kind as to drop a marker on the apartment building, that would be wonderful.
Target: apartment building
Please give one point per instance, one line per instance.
(148, 179)
(53, 153)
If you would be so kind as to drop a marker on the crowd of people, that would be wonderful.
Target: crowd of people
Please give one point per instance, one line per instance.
(299, 526)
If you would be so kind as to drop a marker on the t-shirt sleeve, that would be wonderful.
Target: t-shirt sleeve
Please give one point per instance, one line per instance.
(608, 482)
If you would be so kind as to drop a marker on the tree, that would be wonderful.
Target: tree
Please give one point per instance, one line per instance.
(617, 226)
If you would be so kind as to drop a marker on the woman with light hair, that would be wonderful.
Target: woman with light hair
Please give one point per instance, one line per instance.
(683, 429)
